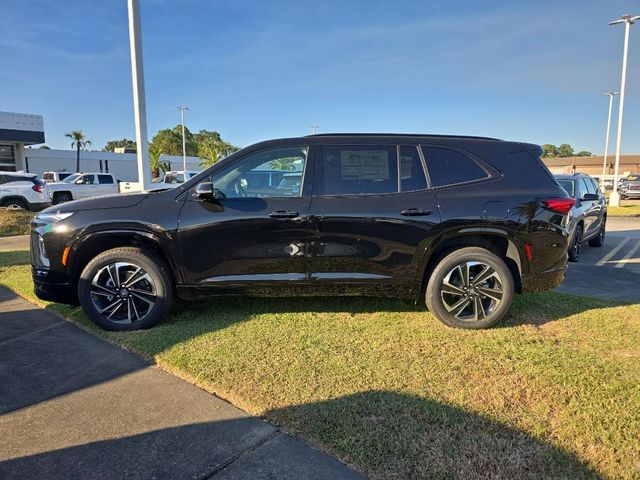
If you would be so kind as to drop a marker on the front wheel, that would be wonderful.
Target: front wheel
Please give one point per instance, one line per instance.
(576, 246)
(126, 289)
(470, 288)
(599, 240)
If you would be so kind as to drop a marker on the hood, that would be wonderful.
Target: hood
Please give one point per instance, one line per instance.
(117, 200)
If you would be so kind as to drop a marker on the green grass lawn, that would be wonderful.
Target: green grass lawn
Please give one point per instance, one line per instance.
(554, 392)
(14, 222)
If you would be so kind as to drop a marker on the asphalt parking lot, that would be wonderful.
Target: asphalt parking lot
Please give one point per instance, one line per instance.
(612, 271)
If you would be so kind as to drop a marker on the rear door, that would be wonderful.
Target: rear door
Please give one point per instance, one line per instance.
(371, 212)
(107, 184)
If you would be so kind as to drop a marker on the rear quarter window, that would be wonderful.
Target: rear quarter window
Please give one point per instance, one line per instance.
(449, 167)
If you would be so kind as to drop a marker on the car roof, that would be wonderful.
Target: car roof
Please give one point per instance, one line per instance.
(568, 176)
(404, 135)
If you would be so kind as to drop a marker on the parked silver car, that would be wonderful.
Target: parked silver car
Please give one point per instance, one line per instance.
(630, 187)
(588, 216)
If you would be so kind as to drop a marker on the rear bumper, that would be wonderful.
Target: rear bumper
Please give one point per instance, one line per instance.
(540, 282)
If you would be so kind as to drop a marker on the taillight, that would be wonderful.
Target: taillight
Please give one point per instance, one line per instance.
(559, 205)
(38, 188)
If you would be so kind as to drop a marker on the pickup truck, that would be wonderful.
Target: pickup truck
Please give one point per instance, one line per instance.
(173, 178)
(83, 185)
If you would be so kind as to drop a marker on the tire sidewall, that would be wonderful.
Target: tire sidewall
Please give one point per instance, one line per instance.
(154, 266)
(436, 279)
(573, 257)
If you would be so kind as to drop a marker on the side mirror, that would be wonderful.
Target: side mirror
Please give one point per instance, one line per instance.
(204, 191)
(589, 197)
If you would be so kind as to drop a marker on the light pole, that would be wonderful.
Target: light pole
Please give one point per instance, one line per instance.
(139, 103)
(184, 143)
(628, 20)
(606, 142)
(314, 129)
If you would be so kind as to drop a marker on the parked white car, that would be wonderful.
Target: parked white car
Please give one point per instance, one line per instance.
(51, 177)
(83, 185)
(23, 190)
(173, 178)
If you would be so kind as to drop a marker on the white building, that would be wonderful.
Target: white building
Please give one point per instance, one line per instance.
(19, 130)
(16, 131)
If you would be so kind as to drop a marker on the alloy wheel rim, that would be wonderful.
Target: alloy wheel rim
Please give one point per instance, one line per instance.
(472, 291)
(578, 243)
(123, 292)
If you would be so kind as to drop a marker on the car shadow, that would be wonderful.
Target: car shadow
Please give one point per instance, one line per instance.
(385, 434)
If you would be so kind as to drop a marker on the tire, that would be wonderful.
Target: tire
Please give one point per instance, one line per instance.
(15, 204)
(448, 274)
(576, 245)
(599, 240)
(113, 305)
(61, 198)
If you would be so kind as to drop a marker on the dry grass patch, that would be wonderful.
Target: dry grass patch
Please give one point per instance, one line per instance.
(14, 222)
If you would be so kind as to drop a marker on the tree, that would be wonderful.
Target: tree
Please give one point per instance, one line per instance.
(79, 142)
(565, 150)
(583, 153)
(284, 163)
(113, 144)
(211, 147)
(169, 141)
(549, 150)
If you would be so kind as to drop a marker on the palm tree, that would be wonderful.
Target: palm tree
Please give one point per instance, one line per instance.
(80, 142)
(154, 160)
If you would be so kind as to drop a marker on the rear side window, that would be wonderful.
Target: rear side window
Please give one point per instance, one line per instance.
(411, 171)
(105, 179)
(448, 167)
(352, 170)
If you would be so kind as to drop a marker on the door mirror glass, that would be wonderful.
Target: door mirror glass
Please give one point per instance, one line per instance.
(590, 197)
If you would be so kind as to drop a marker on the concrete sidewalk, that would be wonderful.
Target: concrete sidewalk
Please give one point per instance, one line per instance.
(74, 406)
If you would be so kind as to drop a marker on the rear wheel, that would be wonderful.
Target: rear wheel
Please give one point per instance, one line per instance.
(470, 288)
(599, 240)
(126, 289)
(15, 204)
(576, 245)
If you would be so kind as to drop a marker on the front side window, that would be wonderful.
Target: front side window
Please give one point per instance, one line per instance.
(88, 180)
(591, 188)
(448, 167)
(352, 170)
(269, 173)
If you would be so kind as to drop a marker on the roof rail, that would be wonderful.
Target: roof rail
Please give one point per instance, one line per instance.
(401, 135)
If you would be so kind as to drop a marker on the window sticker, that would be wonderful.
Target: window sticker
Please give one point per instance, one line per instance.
(364, 165)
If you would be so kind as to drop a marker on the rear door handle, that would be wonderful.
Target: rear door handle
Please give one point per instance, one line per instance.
(415, 212)
(284, 214)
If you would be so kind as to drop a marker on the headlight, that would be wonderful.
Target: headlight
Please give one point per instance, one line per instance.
(53, 217)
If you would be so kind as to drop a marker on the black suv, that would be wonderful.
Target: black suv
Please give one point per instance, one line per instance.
(462, 223)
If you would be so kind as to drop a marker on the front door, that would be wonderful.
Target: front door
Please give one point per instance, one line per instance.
(253, 235)
(371, 214)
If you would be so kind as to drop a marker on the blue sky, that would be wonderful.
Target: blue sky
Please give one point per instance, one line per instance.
(522, 70)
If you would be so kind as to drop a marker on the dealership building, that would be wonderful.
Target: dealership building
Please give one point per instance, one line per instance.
(20, 133)
(593, 165)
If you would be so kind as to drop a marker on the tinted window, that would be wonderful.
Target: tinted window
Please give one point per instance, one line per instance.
(105, 179)
(569, 186)
(48, 176)
(359, 170)
(582, 188)
(591, 188)
(447, 166)
(411, 171)
(269, 173)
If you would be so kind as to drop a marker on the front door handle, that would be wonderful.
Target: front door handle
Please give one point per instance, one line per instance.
(415, 212)
(284, 214)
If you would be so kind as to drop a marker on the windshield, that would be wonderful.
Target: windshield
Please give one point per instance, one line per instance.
(71, 178)
(568, 185)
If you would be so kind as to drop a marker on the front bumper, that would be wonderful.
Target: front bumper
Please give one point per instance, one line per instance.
(45, 289)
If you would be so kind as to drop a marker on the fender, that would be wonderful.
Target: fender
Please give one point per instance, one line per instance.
(163, 243)
(514, 250)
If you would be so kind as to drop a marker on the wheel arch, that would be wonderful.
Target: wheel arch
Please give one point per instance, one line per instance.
(8, 198)
(495, 240)
(88, 246)
(60, 192)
